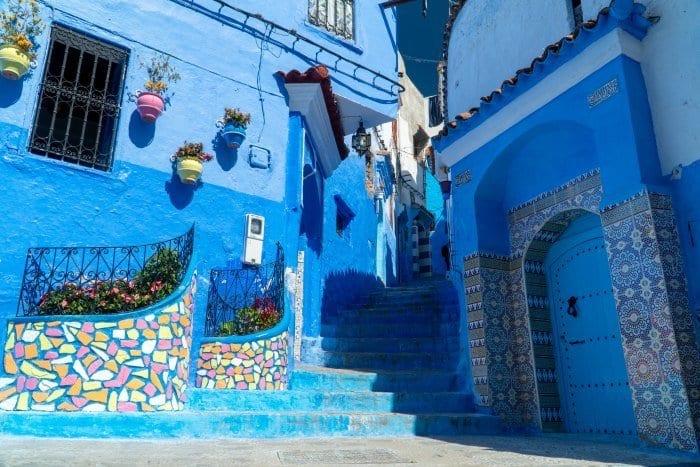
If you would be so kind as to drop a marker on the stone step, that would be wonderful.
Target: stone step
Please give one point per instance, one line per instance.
(382, 360)
(381, 344)
(376, 315)
(308, 377)
(441, 329)
(234, 424)
(314, 401)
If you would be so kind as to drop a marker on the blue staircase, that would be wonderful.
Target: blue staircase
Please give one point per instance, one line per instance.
(387, 368)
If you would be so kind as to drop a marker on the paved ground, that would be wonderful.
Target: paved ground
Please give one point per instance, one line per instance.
(472, 450)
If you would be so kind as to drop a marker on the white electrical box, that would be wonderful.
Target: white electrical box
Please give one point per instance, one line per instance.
(253, 241)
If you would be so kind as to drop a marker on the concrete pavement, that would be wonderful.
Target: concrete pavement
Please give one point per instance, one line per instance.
(470, 450)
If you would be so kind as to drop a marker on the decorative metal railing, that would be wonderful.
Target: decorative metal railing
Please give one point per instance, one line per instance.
(247, 300)
(51, 269)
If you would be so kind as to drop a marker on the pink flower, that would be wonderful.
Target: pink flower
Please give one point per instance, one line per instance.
(64, 303)
(115, 290)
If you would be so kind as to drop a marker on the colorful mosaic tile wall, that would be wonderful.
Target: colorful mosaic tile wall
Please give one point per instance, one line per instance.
(655, 320)
(651, 297)
(256, 365)
(498, 312)
(130, 364)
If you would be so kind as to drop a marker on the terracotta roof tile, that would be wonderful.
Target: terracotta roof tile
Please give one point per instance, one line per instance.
(319, 74)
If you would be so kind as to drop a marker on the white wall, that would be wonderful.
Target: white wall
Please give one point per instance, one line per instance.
(492, 39)
(671, 68)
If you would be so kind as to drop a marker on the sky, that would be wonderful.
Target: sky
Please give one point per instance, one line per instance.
(420, 41)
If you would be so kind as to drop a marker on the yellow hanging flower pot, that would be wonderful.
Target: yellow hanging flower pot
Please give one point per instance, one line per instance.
(14, 62)
(189, 170)
(188, 162)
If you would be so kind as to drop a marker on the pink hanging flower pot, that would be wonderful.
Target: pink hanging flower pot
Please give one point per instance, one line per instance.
(149, 105)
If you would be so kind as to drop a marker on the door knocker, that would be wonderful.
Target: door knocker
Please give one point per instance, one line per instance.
(572, 307)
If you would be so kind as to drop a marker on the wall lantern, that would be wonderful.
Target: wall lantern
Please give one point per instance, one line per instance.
(361, 140)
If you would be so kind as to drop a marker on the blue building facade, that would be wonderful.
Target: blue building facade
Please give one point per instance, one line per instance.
(574, 247)
(118, 186)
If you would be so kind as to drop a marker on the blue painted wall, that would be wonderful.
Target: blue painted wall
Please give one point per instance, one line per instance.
(562, 140)
(223, 63)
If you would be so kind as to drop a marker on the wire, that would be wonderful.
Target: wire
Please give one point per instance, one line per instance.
(264, 45)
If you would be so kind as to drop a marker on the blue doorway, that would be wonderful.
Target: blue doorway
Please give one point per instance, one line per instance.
(591, 370)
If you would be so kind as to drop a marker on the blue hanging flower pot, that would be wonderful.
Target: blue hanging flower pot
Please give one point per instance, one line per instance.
(233, 134)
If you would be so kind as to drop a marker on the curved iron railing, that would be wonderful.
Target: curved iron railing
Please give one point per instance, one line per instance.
(49, 269)
(236, 297)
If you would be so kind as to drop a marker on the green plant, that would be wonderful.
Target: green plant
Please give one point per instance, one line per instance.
(160, 74)
(260, 316)
(157, 280)
(20, 23)
(192, 151)
(236, 116)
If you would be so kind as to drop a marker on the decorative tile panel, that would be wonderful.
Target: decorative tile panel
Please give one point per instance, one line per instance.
(255, 365)
(652, 301)
(130, 364)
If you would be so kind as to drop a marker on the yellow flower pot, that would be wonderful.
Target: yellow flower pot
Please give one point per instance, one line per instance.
(189, 170)
(14, 62)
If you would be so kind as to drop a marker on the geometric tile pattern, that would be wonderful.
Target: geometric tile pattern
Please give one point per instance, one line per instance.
(660, 351)
(260, 364)
(127, 364)
(655, 319)
(508, 386)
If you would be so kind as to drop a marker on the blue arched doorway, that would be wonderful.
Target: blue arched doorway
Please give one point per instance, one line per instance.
(580, 365)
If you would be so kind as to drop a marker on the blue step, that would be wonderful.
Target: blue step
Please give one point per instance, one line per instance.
(390, 330)
(381, 344)
(333, 380)
(315, 401)
(382, 360)
(235, 424)
(372, 315)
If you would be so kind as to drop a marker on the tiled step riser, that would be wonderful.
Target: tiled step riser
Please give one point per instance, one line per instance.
(313, 401)
(381, 361)
(416, 382)
(378, 344)
(390, 330)
(221, 425)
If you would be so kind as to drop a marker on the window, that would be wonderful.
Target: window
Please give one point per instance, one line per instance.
(334, 15)
(79, 100)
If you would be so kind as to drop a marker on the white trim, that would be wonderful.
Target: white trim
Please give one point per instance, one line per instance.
(307, 99)
(617, 42)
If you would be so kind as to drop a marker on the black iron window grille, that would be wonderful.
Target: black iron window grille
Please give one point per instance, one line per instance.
(245, 300)
(52, 268)
(336, 16)
(79, 100)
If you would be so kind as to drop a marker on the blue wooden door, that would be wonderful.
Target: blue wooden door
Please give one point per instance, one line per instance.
(592, 373)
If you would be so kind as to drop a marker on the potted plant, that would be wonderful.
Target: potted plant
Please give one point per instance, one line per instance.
(151, 102)
(189, 158)
(234, 126)
(20, 23)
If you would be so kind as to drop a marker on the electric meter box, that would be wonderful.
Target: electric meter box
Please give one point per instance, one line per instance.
(253, 241)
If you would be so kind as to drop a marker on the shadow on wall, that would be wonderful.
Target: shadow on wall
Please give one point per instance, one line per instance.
(180, 194)
(226, 157)
(10, 92)
(343, 288)
(140, 133)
